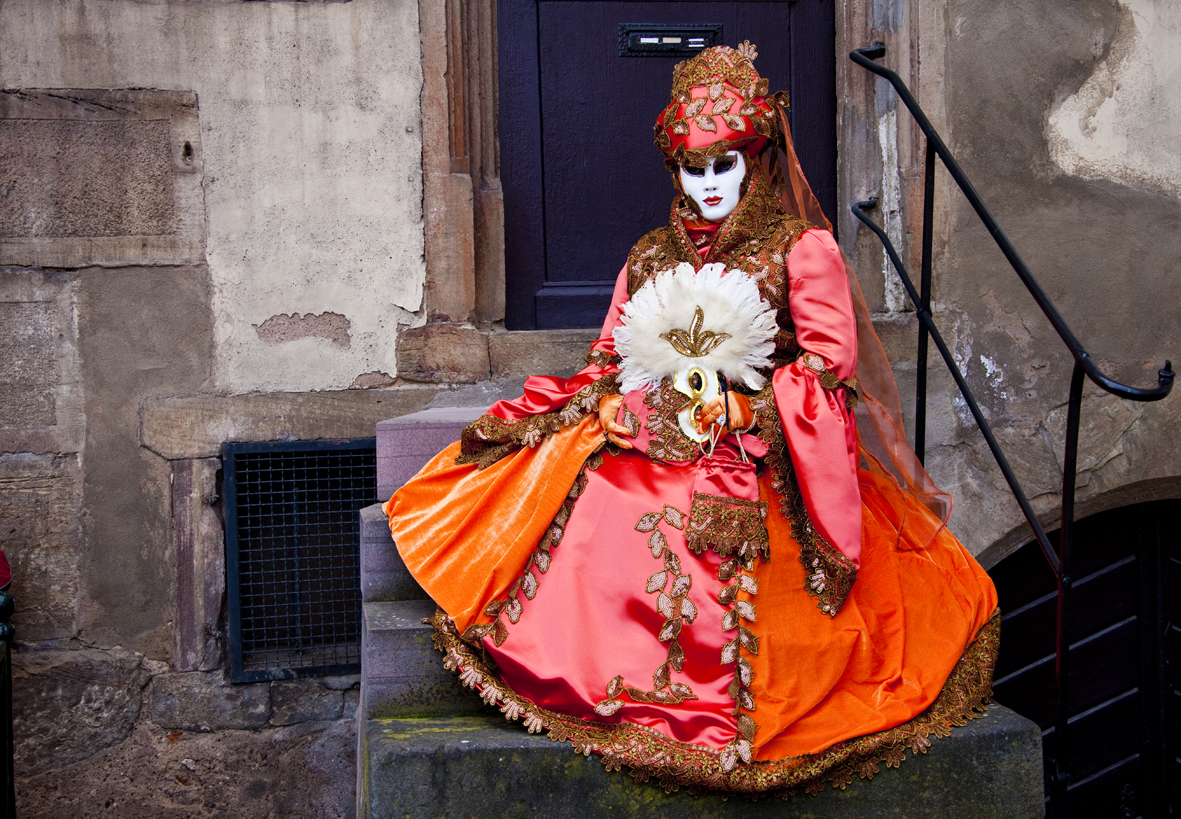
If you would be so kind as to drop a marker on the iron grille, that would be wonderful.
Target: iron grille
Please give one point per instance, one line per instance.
(293, 555)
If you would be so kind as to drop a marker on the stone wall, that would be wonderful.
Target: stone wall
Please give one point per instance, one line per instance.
(1064, 116)
(207, 212)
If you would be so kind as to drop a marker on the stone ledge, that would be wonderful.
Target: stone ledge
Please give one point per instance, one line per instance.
(196, 426)
(401, 672)
(482, 766)
(406, 444)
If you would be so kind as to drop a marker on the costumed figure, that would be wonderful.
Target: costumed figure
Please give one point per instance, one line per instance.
(689, 557)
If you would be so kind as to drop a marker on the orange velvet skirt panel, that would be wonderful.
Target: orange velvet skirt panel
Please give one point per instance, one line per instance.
(465, 533)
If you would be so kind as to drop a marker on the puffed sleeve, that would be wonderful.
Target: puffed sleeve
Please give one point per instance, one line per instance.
(544, 393)
(810, 396)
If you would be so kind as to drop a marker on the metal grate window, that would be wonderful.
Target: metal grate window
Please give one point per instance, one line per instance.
(292, 555)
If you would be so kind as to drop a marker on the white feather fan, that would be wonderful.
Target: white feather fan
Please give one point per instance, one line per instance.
(659, 327)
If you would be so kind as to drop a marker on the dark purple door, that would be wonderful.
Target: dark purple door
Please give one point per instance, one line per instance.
(582, 179)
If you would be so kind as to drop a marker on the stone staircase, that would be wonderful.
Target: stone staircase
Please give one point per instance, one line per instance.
(427, 747)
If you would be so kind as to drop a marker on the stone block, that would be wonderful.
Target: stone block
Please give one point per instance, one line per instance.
(443, 353)
(40, 369)
(100, 177)
(383, 574)
(200, 565)
(539, 352)
(40, 496)
(69, 706)
(204, 701)
(401, 672)
(295, 701)
(407, 443)
(426, 767)
(195, 426)
(160, 773)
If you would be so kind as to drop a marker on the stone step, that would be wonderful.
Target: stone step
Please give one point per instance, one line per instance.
(384, 576)
(483, 766)
(405, 444)
(401, 672)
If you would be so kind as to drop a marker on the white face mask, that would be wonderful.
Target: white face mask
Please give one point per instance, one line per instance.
(716, 188)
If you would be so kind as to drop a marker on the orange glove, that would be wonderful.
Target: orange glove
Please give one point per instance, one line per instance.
(608, 411)
(741, 415)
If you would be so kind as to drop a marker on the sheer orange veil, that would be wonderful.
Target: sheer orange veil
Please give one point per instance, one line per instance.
(884, 447)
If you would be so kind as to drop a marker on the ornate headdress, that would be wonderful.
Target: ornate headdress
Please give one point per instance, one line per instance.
(719, 104)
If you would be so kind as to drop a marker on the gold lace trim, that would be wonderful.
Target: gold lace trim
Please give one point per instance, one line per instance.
(673, 603)
(728, 525)
(598, 358)
(667, 442)
(829, 575)
(829, 380)
(674, 764)
(510, 605)
(742, 746)
(488, 439)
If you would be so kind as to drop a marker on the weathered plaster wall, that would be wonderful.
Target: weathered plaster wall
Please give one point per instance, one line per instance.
(1065, 116)
(311, 143)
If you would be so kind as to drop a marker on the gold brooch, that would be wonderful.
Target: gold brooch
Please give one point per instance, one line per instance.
(697, 342)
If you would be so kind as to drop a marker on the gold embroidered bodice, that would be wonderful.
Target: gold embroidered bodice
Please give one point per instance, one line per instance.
(756, 239)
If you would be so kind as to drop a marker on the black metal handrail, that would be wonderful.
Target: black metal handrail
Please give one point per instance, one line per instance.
(1084, 367)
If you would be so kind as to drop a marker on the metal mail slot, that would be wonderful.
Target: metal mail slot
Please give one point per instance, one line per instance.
(638, 40)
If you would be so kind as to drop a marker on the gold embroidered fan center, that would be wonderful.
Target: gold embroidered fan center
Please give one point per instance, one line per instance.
(697, 342)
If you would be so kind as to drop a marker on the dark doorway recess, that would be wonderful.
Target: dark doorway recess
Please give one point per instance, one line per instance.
(1124, 630)
(582, 180)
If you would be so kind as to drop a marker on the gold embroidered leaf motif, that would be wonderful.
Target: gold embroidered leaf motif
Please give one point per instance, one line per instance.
(637, 694)
(729, 652)
(541, 558)
(680, 128)
(514, 609)
(706, 123)
(656, 582)
(529, 586)
(745, 699)
(672, 562)
(743, 748)
(736, 123)
(746, 610)
(657, 543)
(664, 605)
(727, 594)
(676, 656)
(727, 570)
(733, 689)
(722, 106)
(730, 620)
(681, 585)
(499, 632)
(695, 108)
(745, 672)
(747, 727)
(615, 687)
(729, 758)
(608, 707)
(748, 583)
(670, 630)
(681, 691)
(715, 91)
(661, 696)
(648, 522)
(494, 608)
(749, 641)
(661, 678)
(688, 610)
(674, 517)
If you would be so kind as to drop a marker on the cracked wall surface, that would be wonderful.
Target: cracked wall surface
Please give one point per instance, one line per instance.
(310, 145)
(1057, 112)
